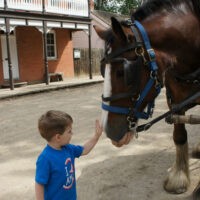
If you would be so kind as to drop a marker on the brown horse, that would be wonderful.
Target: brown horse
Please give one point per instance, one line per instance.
(159, 46)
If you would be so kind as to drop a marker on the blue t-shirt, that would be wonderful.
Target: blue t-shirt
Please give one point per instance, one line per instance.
(55, 170)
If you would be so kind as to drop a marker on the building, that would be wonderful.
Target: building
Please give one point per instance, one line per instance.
(36, 39)
(81, 40)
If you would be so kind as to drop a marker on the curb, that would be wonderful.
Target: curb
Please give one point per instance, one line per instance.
(46, 89)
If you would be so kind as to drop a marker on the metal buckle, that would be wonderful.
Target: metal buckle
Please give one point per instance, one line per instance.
(132, 126)
(151, 54)
(153, 75)
(129, 22)
(139, 51)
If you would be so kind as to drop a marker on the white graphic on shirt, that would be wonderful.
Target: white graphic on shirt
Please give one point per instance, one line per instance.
(69, 169)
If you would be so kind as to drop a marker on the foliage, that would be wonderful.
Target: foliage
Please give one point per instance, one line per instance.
(118, 6)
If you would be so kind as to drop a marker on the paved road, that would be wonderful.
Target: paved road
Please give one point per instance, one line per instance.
(20, 142)
(133, 172)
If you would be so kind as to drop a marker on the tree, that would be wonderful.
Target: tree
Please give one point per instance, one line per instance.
(118, 6)
(99, 4)
(127, 6)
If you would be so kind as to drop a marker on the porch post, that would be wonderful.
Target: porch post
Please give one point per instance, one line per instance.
(90, 52)
(45, 53)
(89, 41)
(8, 54)
(5, 5)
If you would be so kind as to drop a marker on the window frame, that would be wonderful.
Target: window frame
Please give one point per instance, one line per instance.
(54, 46)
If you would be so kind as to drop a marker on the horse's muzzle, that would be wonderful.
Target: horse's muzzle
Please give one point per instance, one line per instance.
(116, 128)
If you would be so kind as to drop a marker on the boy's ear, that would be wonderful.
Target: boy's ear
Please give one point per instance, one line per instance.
(57, 136)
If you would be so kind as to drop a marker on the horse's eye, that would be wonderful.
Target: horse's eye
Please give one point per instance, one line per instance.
(120, 73)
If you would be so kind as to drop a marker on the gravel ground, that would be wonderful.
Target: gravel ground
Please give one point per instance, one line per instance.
(133, 172)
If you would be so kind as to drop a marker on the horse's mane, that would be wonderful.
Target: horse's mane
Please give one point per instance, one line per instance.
(152, 6)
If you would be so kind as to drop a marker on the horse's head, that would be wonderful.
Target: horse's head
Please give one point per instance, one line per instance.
(130, 84)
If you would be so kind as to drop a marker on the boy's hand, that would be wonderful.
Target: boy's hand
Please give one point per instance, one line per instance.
(99, 129)
(89, 145)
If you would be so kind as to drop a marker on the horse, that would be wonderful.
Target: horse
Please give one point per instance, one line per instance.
(159, 46)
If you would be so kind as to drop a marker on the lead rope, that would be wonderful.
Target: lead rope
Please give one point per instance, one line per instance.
(175, 108)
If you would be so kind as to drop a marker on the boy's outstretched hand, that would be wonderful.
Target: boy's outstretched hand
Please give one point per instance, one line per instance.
(89, 145)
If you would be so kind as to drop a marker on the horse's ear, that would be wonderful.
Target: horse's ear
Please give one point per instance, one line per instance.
(117, 29)
(100, 32)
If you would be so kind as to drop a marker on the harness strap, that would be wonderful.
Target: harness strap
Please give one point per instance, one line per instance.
(136, 33)
(117, 97)
(115, 109)
(126, 111)
(118, 52)
(193, 77)
(145, 92)
(152, 80)
(150, 51)
(176, 108)
(153, 70)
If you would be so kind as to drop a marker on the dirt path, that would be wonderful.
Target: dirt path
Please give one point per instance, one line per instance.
(133, 172)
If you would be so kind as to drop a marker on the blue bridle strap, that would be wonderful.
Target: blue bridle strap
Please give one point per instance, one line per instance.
(152, 66)
(153, 77)
(115, 109)
(143, 33)
(150, 51)
(126, 111)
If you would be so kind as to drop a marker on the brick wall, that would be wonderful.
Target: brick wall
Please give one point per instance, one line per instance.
(64, 63)
(30, 54)
(31, 57)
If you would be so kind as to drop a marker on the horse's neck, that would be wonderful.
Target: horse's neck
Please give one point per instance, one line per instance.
(176, 38)
(166, 32)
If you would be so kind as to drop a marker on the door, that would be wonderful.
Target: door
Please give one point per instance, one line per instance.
(14, 57)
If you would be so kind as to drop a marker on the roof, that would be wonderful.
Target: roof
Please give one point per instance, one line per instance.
(106, 16)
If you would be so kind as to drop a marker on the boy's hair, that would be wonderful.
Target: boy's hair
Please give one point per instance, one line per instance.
(53, 122)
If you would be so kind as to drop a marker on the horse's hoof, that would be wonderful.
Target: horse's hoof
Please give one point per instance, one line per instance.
(176, 183)
(174, 190)
(196, 193)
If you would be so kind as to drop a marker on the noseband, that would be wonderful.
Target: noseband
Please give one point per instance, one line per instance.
(132, 68)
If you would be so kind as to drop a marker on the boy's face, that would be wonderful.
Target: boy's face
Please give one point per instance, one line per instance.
(66, 136)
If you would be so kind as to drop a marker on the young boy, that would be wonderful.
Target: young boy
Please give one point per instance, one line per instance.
(55, 172)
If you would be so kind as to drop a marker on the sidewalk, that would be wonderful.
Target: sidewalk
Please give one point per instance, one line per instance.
(37, 88)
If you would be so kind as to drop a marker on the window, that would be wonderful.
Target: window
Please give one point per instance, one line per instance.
(51, 45)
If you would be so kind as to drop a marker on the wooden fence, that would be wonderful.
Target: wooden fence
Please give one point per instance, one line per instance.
(81, 65)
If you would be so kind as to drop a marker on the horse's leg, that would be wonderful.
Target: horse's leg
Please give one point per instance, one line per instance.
(178, 178)
(196, 154)
(196, 192)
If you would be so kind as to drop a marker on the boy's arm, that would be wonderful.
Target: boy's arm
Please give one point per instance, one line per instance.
(88, 146)
(39, 191)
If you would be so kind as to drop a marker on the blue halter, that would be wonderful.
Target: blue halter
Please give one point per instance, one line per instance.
(152, 80)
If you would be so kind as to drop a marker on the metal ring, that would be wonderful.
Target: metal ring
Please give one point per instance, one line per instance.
(139, 51)
(136, 99)
(152, 75)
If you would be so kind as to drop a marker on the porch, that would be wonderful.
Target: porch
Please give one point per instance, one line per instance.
(45, 16)
(64, 7)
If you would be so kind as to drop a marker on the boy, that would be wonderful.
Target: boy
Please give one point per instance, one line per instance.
(55, 173)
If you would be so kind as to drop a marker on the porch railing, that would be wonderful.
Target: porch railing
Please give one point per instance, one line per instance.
(65, 7)
(1, 3)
